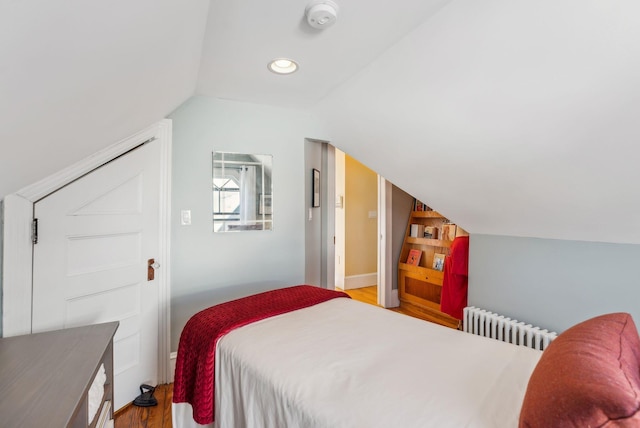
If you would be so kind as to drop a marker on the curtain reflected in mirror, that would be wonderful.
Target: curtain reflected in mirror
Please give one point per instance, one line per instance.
(242, 192)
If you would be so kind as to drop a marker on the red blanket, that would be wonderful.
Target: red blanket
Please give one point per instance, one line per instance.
(194, 377)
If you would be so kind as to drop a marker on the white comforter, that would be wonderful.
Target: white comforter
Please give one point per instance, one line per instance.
(343, 363)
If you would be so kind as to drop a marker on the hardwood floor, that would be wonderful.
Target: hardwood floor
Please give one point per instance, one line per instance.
(148, 417)
(160, 416)
(364, 294)
(370, 295)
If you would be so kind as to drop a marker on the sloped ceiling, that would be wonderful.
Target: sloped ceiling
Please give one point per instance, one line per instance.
(512, 117)
(77, 76)
(516, 118)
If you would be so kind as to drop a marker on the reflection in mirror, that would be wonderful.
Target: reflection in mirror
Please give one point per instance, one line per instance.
(242, 192)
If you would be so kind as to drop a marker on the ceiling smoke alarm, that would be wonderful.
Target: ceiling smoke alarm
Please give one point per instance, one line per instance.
(321, 14)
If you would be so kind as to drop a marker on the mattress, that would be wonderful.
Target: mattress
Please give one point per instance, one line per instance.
(343, 363)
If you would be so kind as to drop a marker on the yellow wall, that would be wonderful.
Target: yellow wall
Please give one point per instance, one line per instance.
(361, 197)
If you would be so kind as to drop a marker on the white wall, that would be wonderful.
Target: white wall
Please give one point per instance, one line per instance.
(209, 268)
(78, 76)
(553, 283)
(512, 117)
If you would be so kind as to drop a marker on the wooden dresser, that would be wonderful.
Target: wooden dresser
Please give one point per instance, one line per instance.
(45, 377)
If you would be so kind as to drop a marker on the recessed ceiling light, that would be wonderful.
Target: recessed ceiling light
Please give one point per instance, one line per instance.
(282, 66)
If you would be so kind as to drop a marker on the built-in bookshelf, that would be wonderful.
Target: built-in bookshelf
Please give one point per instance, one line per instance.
(420, 285)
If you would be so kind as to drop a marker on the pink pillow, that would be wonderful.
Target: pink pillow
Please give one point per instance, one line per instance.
(588, 377)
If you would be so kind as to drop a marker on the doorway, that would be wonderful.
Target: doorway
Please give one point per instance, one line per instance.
(18, 256)
(356, 229)
(95, 236)
(324, 232)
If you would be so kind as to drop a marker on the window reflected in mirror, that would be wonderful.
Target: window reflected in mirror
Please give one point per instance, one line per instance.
(242, 192)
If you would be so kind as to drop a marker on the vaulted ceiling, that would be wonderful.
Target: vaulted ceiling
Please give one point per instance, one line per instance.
(511, 117)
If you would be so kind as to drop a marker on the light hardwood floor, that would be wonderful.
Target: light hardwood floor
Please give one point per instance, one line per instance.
(370, 295)
(364, 294)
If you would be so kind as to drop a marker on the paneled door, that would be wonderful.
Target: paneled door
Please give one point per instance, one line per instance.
(96, 237)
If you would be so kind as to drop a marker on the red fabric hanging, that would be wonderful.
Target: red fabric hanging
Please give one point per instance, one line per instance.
(456, 278)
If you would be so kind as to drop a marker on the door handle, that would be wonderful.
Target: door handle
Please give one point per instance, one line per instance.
(152, 265)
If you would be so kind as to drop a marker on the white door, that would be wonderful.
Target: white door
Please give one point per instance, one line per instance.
(95, 237)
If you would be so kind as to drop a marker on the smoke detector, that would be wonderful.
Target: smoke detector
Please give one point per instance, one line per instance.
(321, 14)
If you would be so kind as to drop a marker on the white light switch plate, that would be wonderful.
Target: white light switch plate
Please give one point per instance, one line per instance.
(185, 217)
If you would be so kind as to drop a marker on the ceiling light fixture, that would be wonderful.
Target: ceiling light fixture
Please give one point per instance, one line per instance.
(282, 66)
(321, 14)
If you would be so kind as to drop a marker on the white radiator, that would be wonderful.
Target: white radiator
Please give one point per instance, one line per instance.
(484, 323)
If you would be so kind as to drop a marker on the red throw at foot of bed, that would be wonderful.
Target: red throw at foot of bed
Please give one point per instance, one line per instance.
(195, 365)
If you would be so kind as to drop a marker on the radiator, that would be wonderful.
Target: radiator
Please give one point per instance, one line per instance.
(484, 323)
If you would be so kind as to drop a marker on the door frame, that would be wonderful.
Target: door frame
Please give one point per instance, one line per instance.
(17, 273)
(387, 296)
(328, 233)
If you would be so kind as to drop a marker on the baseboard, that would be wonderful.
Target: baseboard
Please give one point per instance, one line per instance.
(360, 281)
(172, 365)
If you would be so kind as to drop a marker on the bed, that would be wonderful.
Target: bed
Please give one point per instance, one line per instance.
(342, 363)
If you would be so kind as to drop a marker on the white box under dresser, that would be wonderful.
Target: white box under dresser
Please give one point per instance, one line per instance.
(45, 378)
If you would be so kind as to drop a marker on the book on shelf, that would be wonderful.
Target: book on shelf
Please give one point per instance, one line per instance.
(420, 206)
(416, 231)
(430, 232)
(414, 257)
(438, 261)
(449, 232)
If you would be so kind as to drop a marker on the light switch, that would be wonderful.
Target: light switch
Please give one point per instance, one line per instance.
(373, 214)
(185, 217)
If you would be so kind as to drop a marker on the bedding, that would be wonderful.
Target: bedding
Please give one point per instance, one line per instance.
(194, 375)
(342, 363)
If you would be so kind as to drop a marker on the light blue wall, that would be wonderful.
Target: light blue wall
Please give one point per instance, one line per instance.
(553, 283)
(209, 268)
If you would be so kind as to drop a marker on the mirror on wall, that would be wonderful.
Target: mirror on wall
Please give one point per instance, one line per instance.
(242, 192)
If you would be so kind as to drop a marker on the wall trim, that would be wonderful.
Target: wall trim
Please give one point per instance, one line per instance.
(172, 366)
(47, 185)
(17, 250)
(387, 296)
(16, 263)
(359, 281)
(164, 133)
